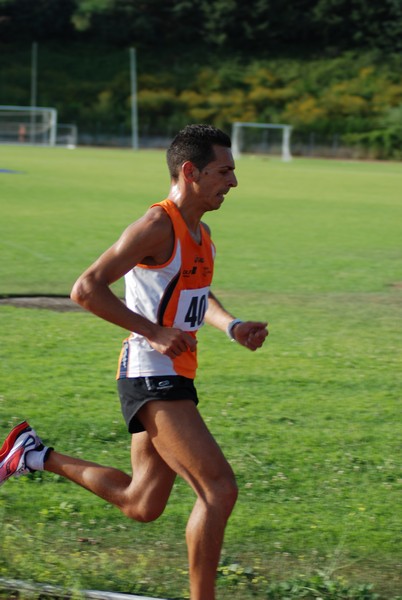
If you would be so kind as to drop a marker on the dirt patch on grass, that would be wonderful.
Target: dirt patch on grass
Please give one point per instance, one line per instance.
(56, 303)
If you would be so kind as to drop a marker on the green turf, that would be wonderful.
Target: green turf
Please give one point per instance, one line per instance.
(311, 423)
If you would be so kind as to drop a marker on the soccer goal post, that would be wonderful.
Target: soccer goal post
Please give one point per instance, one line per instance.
(27, 125)
(67, 135)
(255, 138)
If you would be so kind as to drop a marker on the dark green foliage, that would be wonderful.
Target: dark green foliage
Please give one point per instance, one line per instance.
(327, 67)
(258, 26)
(24, 20)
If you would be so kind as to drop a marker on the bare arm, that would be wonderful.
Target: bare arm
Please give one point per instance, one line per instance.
(250, 334)
(148, 239)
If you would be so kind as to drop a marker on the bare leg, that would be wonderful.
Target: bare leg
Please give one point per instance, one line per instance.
(177, 441)
(182, 439)
(142, 497)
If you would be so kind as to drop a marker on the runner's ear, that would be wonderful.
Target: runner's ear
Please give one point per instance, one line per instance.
(190, 172)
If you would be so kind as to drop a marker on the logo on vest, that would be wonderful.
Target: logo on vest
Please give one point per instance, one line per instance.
(189, 272)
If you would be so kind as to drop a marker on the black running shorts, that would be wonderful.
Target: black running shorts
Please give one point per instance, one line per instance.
(134, 392)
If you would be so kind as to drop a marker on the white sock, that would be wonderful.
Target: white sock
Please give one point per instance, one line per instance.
(35, 459)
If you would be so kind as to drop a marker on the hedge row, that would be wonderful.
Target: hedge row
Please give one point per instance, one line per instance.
(357, 97)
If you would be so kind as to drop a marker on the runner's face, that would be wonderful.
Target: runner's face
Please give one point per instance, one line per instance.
(217, 178)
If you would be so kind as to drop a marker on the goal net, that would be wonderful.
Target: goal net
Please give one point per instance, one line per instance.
(25, 125)
(261, 138)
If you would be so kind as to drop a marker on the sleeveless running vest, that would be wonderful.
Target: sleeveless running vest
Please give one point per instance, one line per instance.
(174, 294)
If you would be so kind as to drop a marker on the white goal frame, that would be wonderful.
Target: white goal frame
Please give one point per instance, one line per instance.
(67, 135)
(237, 127)
(28, 125)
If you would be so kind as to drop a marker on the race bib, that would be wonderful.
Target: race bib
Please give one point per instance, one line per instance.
(191, 309)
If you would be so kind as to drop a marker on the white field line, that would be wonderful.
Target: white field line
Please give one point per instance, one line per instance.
(32, 589)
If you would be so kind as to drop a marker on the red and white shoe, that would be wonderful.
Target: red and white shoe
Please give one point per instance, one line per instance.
(21, 440)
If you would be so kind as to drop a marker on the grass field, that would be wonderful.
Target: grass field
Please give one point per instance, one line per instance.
(311, 423)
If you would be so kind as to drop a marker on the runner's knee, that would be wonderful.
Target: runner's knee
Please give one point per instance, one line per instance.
(143, 514)
(231, 493)
(222, 495)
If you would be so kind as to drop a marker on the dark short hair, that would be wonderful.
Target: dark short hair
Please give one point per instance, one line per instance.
(195, 143)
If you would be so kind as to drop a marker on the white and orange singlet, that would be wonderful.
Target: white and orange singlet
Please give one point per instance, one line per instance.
(174, 294)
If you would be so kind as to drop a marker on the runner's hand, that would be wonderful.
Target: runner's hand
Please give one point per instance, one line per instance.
(251, 334)
(172, 342)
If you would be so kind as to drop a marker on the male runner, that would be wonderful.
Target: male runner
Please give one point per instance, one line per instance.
(167, 260)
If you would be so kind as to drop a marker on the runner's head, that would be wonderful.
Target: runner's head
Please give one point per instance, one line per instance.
(195, 143)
